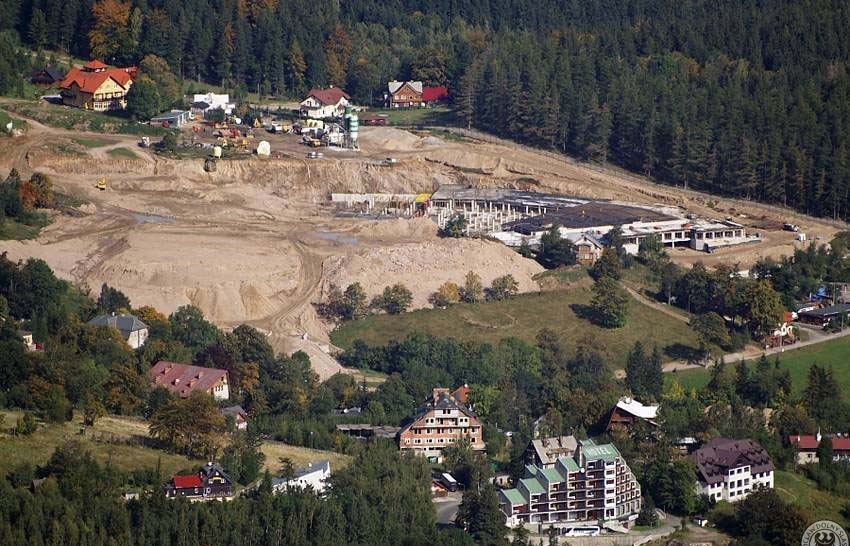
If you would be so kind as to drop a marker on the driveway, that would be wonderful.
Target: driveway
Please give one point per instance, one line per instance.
(446, 507)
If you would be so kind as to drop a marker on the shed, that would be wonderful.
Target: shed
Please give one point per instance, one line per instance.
(825, 315)
(174, 118)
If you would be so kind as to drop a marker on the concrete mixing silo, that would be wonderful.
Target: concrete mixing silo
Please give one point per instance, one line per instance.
(352, 127)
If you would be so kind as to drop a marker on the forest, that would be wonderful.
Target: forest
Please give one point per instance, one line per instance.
(733, 98)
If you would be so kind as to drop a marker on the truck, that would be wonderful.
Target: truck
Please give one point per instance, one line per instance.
(791, 227)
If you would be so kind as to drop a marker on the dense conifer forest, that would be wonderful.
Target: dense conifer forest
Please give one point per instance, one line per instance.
(747, 99)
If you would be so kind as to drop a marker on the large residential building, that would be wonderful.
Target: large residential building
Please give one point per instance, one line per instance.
(730, 469)
(807, 447)
(628, 411)
(184, 379)
(133, 330)
(325, 103)
(443, 421)
(589, 483)
(210, 483)
(96, 86)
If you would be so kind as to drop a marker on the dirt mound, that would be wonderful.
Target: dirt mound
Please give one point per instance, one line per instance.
(497, 167)
(424, 266)
(388, 139)
(218, 273)
(399, 228)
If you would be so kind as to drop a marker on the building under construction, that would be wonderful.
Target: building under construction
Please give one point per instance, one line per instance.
(516, 216)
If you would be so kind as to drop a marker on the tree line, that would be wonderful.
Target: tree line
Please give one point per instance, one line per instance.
(734, 99)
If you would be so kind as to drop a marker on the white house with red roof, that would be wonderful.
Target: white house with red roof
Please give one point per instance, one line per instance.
(807, 447)
(184, 379)
(96, 86)
(325, 103)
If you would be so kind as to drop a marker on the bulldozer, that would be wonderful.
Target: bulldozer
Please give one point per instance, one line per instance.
(101, 184)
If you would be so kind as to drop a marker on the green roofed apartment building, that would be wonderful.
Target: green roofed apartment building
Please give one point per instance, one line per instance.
(589, 484)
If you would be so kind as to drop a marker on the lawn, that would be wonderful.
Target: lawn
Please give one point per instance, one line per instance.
(524, 316)
(829, 353)
(6, 118)
(300, 456)
(406, 117)
(66, 117)
(804, 492)
(122, 153)
(92, 142)
(120, 440)
(113, 439)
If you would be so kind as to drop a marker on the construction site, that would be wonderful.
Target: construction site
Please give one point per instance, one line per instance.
(260, 240)
(516, 217)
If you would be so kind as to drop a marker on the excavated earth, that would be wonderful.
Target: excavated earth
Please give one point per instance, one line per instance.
(258, 242)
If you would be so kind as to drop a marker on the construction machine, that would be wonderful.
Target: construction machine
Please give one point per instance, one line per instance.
(101, 184)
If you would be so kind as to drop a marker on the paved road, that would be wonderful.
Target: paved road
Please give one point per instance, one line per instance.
(446, 507)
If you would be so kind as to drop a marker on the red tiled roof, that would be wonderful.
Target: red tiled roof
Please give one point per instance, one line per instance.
(461, 394)
(184, 379)
(332, 95)
(89, 82)
(94, 64)
(430, 94)
(809, 442)
(187, 481)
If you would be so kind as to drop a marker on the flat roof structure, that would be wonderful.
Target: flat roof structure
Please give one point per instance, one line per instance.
(508, 196)
(589, 215)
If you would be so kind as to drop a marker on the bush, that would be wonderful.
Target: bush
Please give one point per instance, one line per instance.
(26, 425)
(447, 294)
(455, 227)
(395, 299)
(503, 288)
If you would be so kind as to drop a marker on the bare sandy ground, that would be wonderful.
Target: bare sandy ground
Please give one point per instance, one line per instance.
(256, 241)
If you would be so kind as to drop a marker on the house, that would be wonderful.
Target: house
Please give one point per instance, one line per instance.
(433, 95)
(172, 118)
(807, 447)
(545, 452)
(47, 76)
(133, 330)
(628, 411)
(825, 315)
(210, 483)
(240, 416)
(30, 344)
(210, 101)
(325, 103)
(592, 483)
(588, 248)
(404, 94)
(184, 379)
(96, 86)
(314, 476)
(730, 469)
(441, 422)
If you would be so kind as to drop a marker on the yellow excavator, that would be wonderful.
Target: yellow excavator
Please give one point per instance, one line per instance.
(101, 184)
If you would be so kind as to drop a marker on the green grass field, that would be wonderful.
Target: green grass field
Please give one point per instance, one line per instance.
(523, 317)
(66, 117)
(6, 118)
(829, 353)
(13, 230)
(107, 440)
(117, 440)
(122, 153)
(438, 115)
(798, 490)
